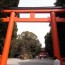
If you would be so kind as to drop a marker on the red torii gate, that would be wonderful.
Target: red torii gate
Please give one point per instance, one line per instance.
(32, 11)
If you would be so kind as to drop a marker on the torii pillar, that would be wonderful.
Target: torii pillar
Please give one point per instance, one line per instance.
(55, 39)
(32, 11)
(8, 39)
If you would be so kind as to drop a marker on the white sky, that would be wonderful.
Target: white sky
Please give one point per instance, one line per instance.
(40, 29)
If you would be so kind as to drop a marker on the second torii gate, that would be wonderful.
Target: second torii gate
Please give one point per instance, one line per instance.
(32, 11)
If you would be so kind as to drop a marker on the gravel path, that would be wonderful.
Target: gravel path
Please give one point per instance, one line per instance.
(15, 61)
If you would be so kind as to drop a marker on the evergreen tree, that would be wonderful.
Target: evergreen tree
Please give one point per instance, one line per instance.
(28, 45)
(61, 33)
(3, 26)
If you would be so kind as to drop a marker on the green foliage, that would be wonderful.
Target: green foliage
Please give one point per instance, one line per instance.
(61, 33)
(13, 42)
(61, 28)
(28, 44)
(13, 49)
(48, 44)
(8, 3)
(3, 29)
(60, 3)
(3, 26)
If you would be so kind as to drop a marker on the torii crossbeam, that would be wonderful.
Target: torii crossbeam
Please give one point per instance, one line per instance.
(32, 11)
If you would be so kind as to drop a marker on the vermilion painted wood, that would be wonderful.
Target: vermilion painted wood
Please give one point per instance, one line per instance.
(35, 11)
(16, 19)
(7, 40)
(55, 36)
(53, 19)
